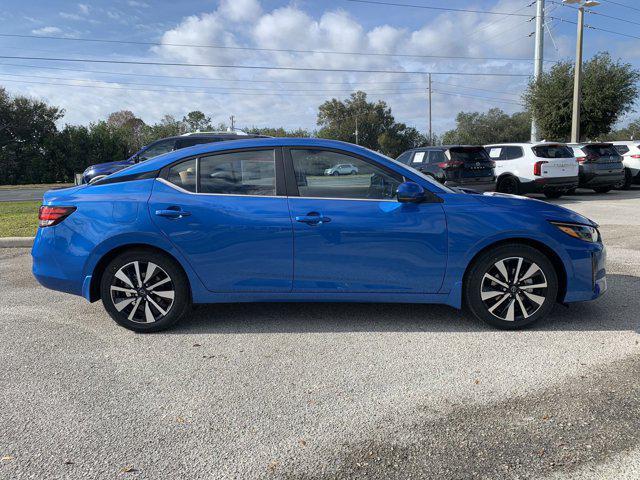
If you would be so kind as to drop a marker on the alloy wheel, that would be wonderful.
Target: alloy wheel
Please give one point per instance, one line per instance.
(513, 289)
(142, 291)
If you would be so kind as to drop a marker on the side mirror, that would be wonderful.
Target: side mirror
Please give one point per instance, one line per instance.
(410, 192)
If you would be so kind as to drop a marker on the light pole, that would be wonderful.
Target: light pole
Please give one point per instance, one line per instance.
(538, 57)
(577, 76)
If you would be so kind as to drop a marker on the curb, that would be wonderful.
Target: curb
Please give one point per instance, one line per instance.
(16, 242)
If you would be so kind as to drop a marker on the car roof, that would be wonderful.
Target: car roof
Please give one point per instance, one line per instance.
(161, 161)
(524, 144)
(208, 135)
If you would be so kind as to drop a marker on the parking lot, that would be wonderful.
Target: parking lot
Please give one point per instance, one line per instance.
(326, 390)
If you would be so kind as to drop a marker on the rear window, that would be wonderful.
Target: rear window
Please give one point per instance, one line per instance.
(468, 154)
(604, 150)
(622, 149)
(552, 151)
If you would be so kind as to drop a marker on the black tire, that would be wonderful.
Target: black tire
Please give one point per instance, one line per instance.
(602, 189)
(553, 194)
(155, 300)
(509, 185)
(476, 286)
(571, 191)
(628, 180)
(335, 173)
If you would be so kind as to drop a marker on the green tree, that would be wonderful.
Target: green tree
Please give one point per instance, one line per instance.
(494, 126)
(27, 127)
(197, 121)
(278, 132)
(374, 122)
(630, 132)
(609, 90)
(130, 127)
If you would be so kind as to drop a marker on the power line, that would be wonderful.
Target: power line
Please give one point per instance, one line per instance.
(258, 49)
(476, 88)
(189, 91)
(478, 96)
(622, 5)
(227, 89)
(445, 9)
(613, 32)
(260, 67)
(595, 12)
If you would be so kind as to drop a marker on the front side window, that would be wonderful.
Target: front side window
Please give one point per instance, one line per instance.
(437, 156)
(314, 174)
(239, 173)
(159, 148)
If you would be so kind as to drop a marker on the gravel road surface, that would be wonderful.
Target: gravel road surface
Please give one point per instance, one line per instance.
(315, 391)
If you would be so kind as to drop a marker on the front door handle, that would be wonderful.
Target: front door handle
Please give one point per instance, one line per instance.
(173, 212)
(313, 218)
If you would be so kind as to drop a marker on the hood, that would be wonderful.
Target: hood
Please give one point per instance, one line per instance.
(539, 208)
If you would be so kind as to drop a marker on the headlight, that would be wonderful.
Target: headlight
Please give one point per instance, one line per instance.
(582, 232)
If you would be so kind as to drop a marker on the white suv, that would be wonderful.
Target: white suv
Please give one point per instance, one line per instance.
(630, 151)
(549, 168)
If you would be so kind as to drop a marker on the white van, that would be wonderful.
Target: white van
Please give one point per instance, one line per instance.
(630, 151)
(549, 168)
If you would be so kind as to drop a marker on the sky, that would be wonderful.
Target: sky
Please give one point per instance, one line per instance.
(309, 31)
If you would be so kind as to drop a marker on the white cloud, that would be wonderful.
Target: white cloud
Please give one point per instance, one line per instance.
(84, 8)
(47, 31)
(138, 4)
(245, 23)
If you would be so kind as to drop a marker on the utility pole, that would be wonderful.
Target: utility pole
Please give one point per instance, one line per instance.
(577, 81)
(430, 130)
(538, 57)
(233, 123)
(357, 130)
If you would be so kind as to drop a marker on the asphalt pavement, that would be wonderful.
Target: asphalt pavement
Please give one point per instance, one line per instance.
(315, 391)
(22, 194)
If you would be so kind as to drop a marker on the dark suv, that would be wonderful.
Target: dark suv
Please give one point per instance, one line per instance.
(465, 166)
(159, 147)
(601, 167)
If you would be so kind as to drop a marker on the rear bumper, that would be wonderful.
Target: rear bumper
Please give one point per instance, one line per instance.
(54, 268)
(540, 185)
(590, 177)
(482, 186)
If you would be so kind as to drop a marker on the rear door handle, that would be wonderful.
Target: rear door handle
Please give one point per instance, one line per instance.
(313, 218)
(173, 212)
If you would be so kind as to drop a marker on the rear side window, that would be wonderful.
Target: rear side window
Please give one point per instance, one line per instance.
(468, 154)
(601, 150)
(183, 175)
(505, 153)
(552, 151)
(437, 156)
(622, 149)
(239, 173)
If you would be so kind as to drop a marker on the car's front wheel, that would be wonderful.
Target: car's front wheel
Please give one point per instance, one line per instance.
(144, 291)
(511, 286)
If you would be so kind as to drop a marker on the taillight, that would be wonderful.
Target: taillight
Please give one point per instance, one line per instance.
(451, 163)
(50, 216)
(634, 156)
(537, 167)
(581, 159)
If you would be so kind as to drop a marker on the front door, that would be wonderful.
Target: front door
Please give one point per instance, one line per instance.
(225, 214)
(352, 235)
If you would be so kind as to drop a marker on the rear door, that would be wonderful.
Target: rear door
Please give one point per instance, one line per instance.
(351, 235)
(560, 161)
(228, 215)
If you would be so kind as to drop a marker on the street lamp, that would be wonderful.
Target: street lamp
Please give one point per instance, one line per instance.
(577, 77)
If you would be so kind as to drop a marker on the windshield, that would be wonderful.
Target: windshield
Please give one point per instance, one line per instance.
(469, 154)
(552, 151)
(601, 150)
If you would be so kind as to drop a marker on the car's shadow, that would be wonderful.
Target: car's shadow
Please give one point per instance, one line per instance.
(618, 309)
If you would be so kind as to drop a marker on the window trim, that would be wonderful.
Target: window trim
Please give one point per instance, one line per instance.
(279, 171)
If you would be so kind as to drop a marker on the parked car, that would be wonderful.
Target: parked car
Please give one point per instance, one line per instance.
(600, 164)
(630, 151)
(547, 168)
(159, 147)
(167, 233)
(464, 166)
(343, 169)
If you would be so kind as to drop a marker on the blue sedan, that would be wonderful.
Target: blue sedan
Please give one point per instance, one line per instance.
(258, 221)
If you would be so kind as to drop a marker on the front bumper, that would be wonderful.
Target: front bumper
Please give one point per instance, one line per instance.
(589, 280)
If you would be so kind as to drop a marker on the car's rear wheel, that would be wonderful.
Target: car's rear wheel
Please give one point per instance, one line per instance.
(144, 291)
(509, 185)
(602, 189)
(511, 286)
